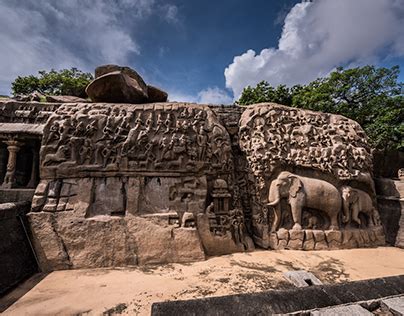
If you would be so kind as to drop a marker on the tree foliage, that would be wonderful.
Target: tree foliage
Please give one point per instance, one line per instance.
(371, 96)
(64, 82)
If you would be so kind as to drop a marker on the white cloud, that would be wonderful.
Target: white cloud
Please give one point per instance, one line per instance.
(36, 35)
(175, 96)
(207, 96)
(319, 36)
(214, 96)
(171, 13)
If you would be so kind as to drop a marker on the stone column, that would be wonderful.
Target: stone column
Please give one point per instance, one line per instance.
(13, 147)
(34, 174)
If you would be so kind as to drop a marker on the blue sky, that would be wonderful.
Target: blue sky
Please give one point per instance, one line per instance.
(201, 51)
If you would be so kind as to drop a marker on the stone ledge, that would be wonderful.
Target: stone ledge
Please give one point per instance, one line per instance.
(309, 239)
(286, 301)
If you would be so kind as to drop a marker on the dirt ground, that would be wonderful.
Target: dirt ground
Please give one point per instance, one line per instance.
(131, 291)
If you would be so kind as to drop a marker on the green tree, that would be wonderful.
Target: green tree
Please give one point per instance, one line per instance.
(264, 92)
(64, 82)
(371, 96)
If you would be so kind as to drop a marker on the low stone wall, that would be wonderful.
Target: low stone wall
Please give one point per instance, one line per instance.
(17, 261)
(329, 239)
(287, 301)
(16, 195)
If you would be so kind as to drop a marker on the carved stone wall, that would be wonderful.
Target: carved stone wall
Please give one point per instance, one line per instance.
(311, 179)
(167, 166)
(125, 184)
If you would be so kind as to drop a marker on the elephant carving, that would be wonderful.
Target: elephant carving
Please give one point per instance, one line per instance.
(356, 201)
(303, 192)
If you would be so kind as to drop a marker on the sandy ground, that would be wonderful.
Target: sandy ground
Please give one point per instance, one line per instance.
(131, 291)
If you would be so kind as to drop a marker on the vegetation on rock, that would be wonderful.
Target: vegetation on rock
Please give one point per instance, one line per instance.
(369, 95)
(64, 82)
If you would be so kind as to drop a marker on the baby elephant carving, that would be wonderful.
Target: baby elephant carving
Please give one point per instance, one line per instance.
(356, 201)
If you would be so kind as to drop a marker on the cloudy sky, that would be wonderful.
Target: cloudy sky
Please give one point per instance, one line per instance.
(202, 51)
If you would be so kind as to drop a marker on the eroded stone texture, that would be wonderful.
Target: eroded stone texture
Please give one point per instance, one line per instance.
(136, 179)
(309, 171)
(173, 182)
(118, 84)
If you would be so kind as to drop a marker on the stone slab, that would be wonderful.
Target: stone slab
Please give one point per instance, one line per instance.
(286, 301)
(394, 305)
(342, 310)
(302, 278)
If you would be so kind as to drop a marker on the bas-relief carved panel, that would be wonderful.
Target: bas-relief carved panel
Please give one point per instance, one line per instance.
(26, 112)
(141, 159)
(289, 178)
(180, 194)
(300, 162)
(161, 138)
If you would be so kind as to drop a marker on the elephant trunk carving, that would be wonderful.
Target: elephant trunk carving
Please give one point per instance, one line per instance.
(274, 199)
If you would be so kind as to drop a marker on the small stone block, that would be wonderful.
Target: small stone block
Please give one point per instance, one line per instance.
(308, 245)
(50, 206)
(296, 234)
(41, 188)
(342, 310)
(282, 244)
(273, 241)
(365, 237)
(394, 305)
(295, 244)
(302, 278)
(321, 245)
(37, 203)
(65, 191)
(54, 188)
(283, 234)
(318, 235)
(333, 236)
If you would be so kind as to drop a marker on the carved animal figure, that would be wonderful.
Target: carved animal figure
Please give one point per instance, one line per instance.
(303, 192)
(59, 156)
(356, 201)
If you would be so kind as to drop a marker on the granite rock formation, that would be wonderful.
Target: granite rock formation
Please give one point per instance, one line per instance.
(303, 164)
(116, 84)
(125, 184)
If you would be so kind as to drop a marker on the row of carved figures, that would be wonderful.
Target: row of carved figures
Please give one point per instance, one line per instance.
(85, 142)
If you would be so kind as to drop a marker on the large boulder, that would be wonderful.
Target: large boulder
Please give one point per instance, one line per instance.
(117, 87)
(114, 83)
(156, 95)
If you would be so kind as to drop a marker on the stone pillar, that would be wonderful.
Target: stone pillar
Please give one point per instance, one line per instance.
(13, 147)
(34, 171)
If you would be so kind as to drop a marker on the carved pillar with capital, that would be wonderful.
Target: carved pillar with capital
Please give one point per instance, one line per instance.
(13, 147)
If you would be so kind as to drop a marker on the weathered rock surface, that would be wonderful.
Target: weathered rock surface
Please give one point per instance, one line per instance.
(156, 94)
(118, 84)
(390, 199)
(117, 87)
(168, 182)
(64, 241)
(65, 99)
